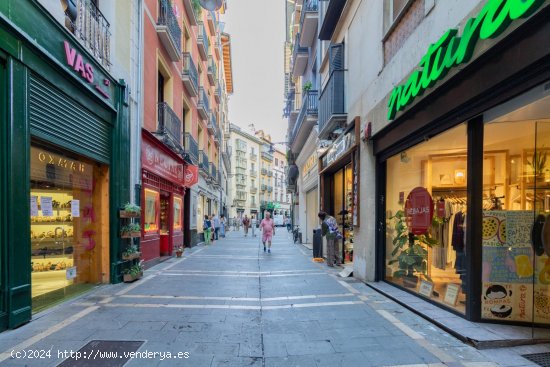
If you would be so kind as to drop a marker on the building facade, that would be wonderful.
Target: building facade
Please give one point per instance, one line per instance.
(185, 109)
(302, 56)
(281, 199)
(66, 122)
(445, 128)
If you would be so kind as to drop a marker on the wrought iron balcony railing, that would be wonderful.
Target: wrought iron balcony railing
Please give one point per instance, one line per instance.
(310, 105)
(309, 6)
(203, 162)
(253, 173)
(191, 147)
(203, 104)
(212, 71)
(202, 41)
(92, 30)
(168, 19)
(213, 171)
(267, 156)
(190, 74)
(169, 123)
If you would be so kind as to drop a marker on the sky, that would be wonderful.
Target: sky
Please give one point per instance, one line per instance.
(257, 29)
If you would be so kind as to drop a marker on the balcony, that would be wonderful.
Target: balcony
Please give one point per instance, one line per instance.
(212, 21)
(307, 118)
(202, 41)
(189, 75)
(270, 189)
(213, 171)
(308, 22)
(212, 124)
(253, 190)
(269, 173)
(332, 109)
(267, 156)
(218, 46)
(191, 148)
(203, 105)
(169, 31)
(300, 56)
(226, 156)
(253, 157)
(241, 195)
(241, 163)
(92, 30)
(333, 12)
(217, 92)
(169, 127)
(263, 187)
(263, 171)
(203, 163)
(240, 146)
(218, 137)
(253, 173)
(191, 11)
(212, 71)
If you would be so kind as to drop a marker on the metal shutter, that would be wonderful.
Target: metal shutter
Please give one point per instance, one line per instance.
(56, 117)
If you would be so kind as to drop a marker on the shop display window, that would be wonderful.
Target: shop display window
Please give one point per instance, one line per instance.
(516, 207)
(178, 205)
(151, 211)
(68, 242)
(426, 205)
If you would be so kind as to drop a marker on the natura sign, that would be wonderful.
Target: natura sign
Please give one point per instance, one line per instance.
(451, 50)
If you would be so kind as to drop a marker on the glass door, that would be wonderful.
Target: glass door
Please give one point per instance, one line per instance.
(539, 162)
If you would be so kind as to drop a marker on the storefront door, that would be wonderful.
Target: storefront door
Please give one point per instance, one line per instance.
(312, 208)
(3, 244)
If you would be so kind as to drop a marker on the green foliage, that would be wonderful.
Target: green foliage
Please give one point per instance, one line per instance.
(130, 250)
(410, 256)
(131, 208)
(197, 8)
(132, 227)
(538, 162)
(133, 270)
(307, 86)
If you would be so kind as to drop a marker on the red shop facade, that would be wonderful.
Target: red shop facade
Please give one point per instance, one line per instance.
(165, 179)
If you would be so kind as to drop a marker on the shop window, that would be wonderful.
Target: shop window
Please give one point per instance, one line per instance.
(426, 192)
(178, 205)
(69, 206)
(516, 194)
(151, 210)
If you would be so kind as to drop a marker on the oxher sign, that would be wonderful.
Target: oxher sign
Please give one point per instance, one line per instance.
(450, 50)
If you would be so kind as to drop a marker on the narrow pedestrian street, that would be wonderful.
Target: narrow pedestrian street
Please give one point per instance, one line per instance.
(231, 304)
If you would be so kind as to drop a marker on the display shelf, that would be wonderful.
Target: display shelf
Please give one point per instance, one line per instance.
(130, 235)
(126, 214)
(128, 278)
(131, 257)
(51, 223)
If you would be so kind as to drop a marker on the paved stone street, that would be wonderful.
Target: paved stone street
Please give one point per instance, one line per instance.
(231, 304)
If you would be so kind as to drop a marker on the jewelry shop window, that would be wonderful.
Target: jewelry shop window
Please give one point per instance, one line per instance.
(151, 218)
(426, 192)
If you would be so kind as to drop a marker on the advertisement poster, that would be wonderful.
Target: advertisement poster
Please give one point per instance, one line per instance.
(46, 206)
(34, 206)
(502, 301)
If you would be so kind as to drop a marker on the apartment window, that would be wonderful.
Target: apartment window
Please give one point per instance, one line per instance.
(276, 162)
(401, 17)
(252, 167)
(253, 182)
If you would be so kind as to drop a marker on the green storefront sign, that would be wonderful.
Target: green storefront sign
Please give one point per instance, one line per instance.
(450, 50)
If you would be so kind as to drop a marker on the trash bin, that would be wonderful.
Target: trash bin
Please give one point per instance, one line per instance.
(317, 243)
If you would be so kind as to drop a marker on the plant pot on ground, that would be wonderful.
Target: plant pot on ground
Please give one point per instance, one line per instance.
(179, 251)
(410, 252)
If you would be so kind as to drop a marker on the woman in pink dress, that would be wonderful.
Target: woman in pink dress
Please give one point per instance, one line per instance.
(267, 226)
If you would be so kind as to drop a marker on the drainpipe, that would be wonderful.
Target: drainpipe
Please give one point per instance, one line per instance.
(139, 100)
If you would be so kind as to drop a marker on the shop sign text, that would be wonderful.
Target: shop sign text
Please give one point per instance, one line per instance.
(450, 50)
(339, 148)
(160, 163)
(419, 210)
(86, 70)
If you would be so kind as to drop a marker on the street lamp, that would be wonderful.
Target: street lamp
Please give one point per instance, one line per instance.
(211, 5)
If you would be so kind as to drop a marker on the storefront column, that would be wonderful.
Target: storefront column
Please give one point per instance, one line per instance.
(474, 218)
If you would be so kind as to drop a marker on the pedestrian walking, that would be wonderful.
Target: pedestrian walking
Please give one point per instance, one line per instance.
(253, 224)
(223, 222)
(329, 229)
(246, 224)
(207, 228)
(216, 224)
(267, 226)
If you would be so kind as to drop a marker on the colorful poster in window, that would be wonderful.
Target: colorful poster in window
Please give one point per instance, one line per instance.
(151, 211)
(419, 210)
(46, 206)
(504, 301)
(177, 212)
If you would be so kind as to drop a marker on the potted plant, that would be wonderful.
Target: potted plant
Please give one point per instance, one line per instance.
(197, 9)
(132, 273)
(130, 231)
(179, 251)
(130, 211)
(307, 87)
(410, 252)
(538, 163)
(131, 253)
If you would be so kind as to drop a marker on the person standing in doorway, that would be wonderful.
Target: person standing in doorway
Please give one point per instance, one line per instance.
(246, 224)
(253, 224)
(216, 224)
(223, 221)
(329, 229)
(207, 228)
(267, 226)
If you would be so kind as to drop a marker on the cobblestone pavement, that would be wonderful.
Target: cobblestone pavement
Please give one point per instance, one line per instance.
(231, 304)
